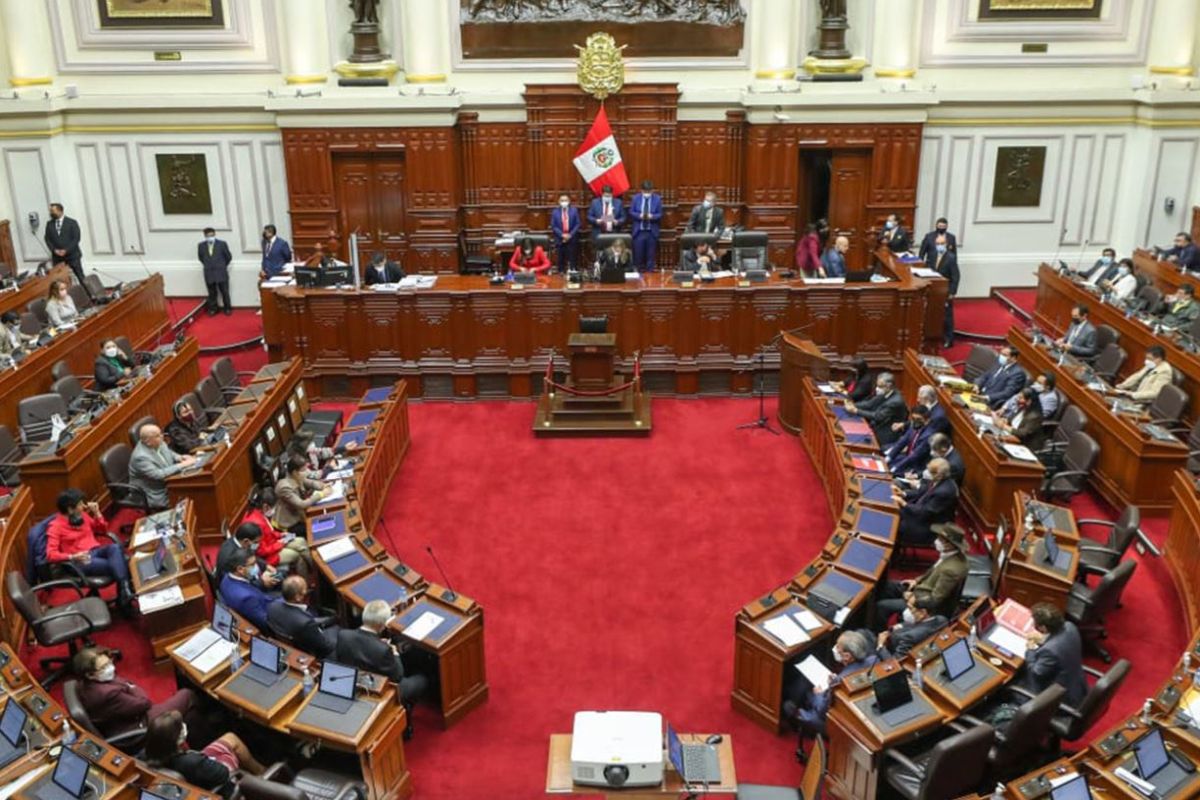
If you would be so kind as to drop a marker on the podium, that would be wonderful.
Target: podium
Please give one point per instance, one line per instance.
(595, 400)
(799, 357)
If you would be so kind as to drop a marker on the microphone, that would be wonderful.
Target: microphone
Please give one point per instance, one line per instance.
(449, 595)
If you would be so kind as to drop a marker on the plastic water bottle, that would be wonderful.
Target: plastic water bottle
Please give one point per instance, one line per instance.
(1147, 710)
(235, 658)
(918, 677)
(308, 684)
(69, 735)
(998, 792)
(973, 637)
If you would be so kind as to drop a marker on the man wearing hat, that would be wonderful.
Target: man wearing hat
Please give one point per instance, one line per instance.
(939, 584)
(646, 213)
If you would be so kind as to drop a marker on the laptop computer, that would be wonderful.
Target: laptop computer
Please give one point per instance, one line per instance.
(1155, 764)
(957, 660)
(69, 780)
(335, 691)
(223, 622)
(12, 732)
(891, 691)
(1075, 789)
(156, 564)
(695, 763)
(266, 662)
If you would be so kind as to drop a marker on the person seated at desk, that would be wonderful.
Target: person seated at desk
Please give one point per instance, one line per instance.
(248, 536)
(808, 250)
(295, 492)
(861, 385)
(1003, 380)
(365, 648)
(707, 216)
(1080, 338)
(1055, 655)
(615, 259)
(702, 258)
(12, 342)
(834, 260)
(941, 445)
(152, 462)
(882, 410)
(115, 706)
(211, 769)
(940, 583)
(528, 258)
(894, 235)
(929, 241)
(303, 443)
(1181, 308)
(382, 270)
(239, 590)
(290, 618)
(276, 548)
(79, 534)
(111, 366)
(1104, 267)
(1144, 385)
(184, 432)
(920, 621)
(933, 501)
(1026, 421)
(807, 706)
(927, 396)
(60, 307)
(1184, 253)
(910, 452)
(1123, 283)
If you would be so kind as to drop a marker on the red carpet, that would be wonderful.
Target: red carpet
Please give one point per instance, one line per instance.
(219, 330)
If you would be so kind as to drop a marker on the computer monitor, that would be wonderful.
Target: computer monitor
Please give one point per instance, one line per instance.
(266, 655)
(223, 622)
(308, 277)
(70, 773)
(957, 659)
(12, 722)
(689, 240)
(336, 275)
(338, 679)
(891, 691)
(674, 749)
(605, 240)
(1075, 789)
(593, 324)
(1151, 754)
(1051, 545)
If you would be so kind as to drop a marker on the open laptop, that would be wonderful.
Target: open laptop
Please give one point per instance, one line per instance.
(223, 622)
(69, 780)
(12, 732)
(1052, 554)
(1157, 766)
(266, 662)
(695, 763)
(158, 563)
(894, 701)
(1075, 789)
(335, 691)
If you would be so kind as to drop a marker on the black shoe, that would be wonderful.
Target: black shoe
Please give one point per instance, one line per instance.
(801, 756)
(408, 732)
(212, 312)
(229, 312)
(125, 595)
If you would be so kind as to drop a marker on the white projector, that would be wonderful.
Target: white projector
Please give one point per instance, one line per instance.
(617, 748)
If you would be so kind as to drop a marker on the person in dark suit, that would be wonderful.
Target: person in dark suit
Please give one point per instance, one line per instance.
(564, 231)
(894, 235)
(933, 501)
(861, 385)
(291, 618)
(943, 260)
(1055, 655)
(941, 583)
(114, 705)
(111, 366)
(212, 768)
(62, 238)
(806, 705)
(938, 422)
(700, 258)
(247, 536)
(276, 252)
(382, 270)
(1097, 271)
(606, 214)
(215, 257)
(239, 592)
(1080, 338)
(1184, 253)
(911, 451)
(365, 648)
(1003, 380)
(929, 241)
(882, 410)
(184, 432)
(921, 621)
(834, 261)
(645, 211)
(942, 446)
(1027, 422)
(707, 216)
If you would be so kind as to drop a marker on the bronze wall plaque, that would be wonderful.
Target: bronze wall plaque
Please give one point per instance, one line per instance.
(1018, 180)
(183, 183)
(161, 13)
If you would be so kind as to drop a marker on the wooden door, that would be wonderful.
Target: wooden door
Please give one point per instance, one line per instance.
(847, 203)
(371, 201)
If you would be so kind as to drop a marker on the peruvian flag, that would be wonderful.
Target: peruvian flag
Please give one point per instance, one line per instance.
(598, 159)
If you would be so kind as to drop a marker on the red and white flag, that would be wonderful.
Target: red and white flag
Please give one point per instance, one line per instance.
(598, 159)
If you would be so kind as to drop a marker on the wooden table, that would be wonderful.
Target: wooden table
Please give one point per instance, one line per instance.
(1182, 552)
(167, 625)
(1024, 576)
(558, 773)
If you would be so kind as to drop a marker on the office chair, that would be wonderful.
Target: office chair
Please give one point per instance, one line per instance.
(73, 394)
(44, 570)
(278, 782)
(94, 285)
(136, 427)
(1060, 408)
(200, 410)
(1069, 422)
(227, 377)
(1105, 335)
(1023, 745)
(811, 782)
(954, 766)
(34, 415)
(209, 393)
(62, 369)
(68, 623)
(11, 453)
(473, 263)
(126, 347)
(1070, 723)
(80, 295)
(114, 465)
(38, 309)
(1077, 462)
(978, 361)
(129, 741)
(1109, 362)
(1099, 559)
(1193, 443)
(30, 325)
(1168, 407)
(1087, 606)
(1148, 298)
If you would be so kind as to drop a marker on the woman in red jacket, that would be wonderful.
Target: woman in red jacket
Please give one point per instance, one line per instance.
(808, 251)
(79, 534)
(277, 547)
(528, 258)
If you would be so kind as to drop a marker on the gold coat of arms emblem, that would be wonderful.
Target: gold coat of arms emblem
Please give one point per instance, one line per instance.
(601, 68)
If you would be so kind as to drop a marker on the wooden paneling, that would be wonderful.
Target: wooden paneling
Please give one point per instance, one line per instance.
(847, 193)
(8, 256)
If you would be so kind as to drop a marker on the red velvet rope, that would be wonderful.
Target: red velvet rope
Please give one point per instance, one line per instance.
(637, 379)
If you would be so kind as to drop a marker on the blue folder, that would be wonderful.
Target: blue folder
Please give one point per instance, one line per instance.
(362, 419)
(328, 526)
(379, 586)
(835, 587)
(875, 489)
(876, 523)
(357, 436)
(347, 563)
(862, 555)
(376, 395)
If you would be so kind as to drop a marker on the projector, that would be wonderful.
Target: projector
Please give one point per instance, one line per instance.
(617, 748)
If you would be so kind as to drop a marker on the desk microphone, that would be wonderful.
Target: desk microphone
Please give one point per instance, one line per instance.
(448, 595)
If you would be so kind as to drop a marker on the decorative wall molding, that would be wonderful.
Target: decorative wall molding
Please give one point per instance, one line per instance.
(29, 189)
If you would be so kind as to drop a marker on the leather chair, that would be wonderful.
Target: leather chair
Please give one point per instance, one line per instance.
(72, 392)
(1087, 606)
(67, 623)
(80, 295)
(125, 346)
(137, 426)
(1071, 420)
(978, 361)
(61, 369)
(200, 411)
(45, 570)
(11, 453)
(1193, 443)
(34, 413)
(473, 263)
(1109, 362)
(1148, 298)
(954, 766)
(94, 285)
(1106, 335)
(38, 309)
(228, 379)
(811, 782)
(1168, 407)
(129, 741)
(1060, 408)
(209, 393)
(1071, 724)
(1078, 460)
(114, 465)
(1099, 559)
(1028, 734)
(279, 783)
(30, 325)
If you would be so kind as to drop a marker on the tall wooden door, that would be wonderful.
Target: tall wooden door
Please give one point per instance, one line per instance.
(370, 195)
(848, 184)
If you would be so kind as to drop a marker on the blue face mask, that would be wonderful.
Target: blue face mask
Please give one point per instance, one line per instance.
(889, 224)
(941, 248)
(1003, 359)
(1106, 260)
(254, 573)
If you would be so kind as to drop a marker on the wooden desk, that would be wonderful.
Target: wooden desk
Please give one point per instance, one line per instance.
(558, 773)
(33, 288)
(140, 314)
(1133, 468)
(936, 297)
(14, 550)
(1183, 546)
(389, 439)
(1023, 575)
(168, 625)
(47, 471)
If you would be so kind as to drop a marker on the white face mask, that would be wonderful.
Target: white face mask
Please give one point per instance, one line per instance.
(210, 239)
(1039, 387)
(907, 617)
(880, 390)
(110, 352)
(926, 475)
(607, 198)
(1149, 364)
(564, 203)
(107, 674)
(708, 203)
(943, 546)
(889, 224)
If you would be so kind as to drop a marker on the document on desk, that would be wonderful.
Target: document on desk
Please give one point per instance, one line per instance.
(338, 493)
(1005, 639)
(157, 600)
(816, 673)
(200, 641)
(340, 474)
(213, 657)
(826, 281)
(424, 625)
(925, 272)
(13, 788)
(1019, 452)
(334, 550)
(808, 620)
(785, 629)
(147, 534)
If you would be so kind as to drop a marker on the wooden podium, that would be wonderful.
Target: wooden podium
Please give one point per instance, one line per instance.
(798, 357)
(594, 401)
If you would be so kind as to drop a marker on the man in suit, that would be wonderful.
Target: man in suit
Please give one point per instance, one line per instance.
(707, 216)
(933, 501)
(882, 410)
(910, 452)
(291, 618)
(564, 230)
(1055, 655)
(239, 592)
(276, 252)
(700, 258)
(942, 446)
(1144, 385)
(382, 270)
(929, 241)
(1003, 380)
(921, 621)
(215, 257)
(943, 259)
(1181, 309)
(938, 422)
(1080, 338)
(152, 462)
(248, 536)
(1101, 269)
(1184, 253)
(940, 583)
(894, 235)
(365, 648)
(834, 260)
(1026, 422)
(62, 237)
(646, 212)
(806, 705)
(606, 214)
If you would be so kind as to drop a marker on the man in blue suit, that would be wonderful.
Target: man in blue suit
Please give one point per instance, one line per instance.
(934, 501)
(806, 705)
(277, 253)
(606, 214)
(564, 230)
(834, 260)
(1003, 380)
(646, 212)
(238, 591)
(910, 452)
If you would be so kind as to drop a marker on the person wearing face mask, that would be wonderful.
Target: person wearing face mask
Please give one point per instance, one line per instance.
(911, 450)
(184, 432)
(645, 211)
(529, 258)
(212, 768)
(114, 705)
(833, 263)
(1103, 268)
(1043, 386)
(292, 619)
(294, 493)
(1181, 309)
(382, 270)
(920, 621)
(239, 587)
(365, 648)
(1184, 254)
(939, 584)
(1144, 385)
(60, 308)
(564, 231)
(215, 258)
(79, 534)
(933, 501)
(606, 214)
(928, 242)
(1080, 338)
(707, 216)
(882, 410)
(1027, 422)
(807, 705)
(62, 239)
(942, 259)
(1123, 283)
(110, 367)
(12, 343)
(942, 446)
(894, 235)
(276, 253)
(247, 536)
(276, 548)
(1003, 380)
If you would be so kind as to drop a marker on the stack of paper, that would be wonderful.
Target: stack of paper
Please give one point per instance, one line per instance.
(785, 629)
(1020, 451)
(200, 641)
(816, 672)
(424, 625)
(147, 534)
(160, 599)
(334, 550)
(807, 619)
(338, 493)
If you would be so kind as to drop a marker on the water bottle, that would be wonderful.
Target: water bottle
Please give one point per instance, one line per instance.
(973, 637)
(307, 685)
(998, 792)
(1147, 710)
(918, 678)
(69, 735)
(235, 658)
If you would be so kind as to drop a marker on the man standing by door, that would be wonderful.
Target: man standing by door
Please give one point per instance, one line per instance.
(62, 237)
(215, 257)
